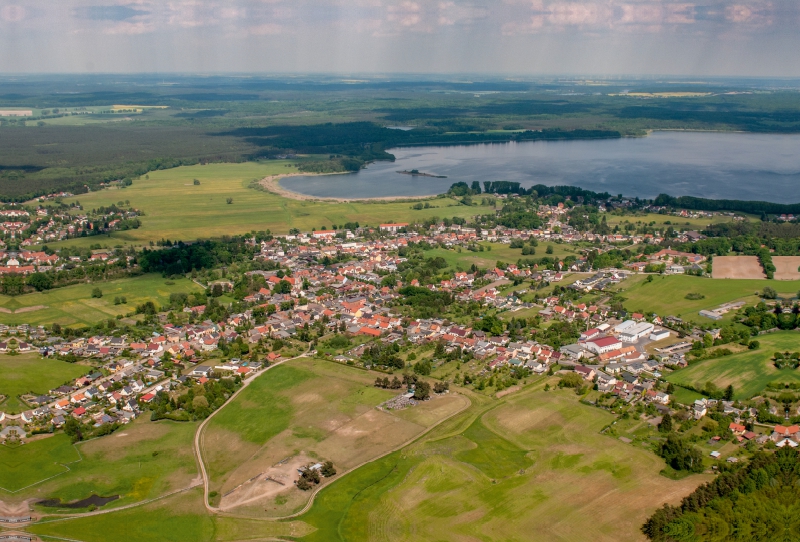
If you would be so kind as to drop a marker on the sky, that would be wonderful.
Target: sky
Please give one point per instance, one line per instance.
(525, 37)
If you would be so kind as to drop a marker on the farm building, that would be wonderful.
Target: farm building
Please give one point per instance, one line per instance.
(634, 333)
(603, 345)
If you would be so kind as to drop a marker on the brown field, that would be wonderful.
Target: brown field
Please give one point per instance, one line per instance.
(333, 417)
(737, 267)
(786, 267)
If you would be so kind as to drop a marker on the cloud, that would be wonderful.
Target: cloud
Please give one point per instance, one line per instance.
(13, 13)
(108, 13)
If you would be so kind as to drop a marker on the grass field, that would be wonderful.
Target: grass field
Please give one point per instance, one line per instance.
(664, 221)
(534, 468)
(310, 409)
(530, 466)
(499, 252)
(140, 461)
(176, 209)
(29, 373)
(748, 372)
(180, 518)
(35, 461)
(74, 305)
(666, 295)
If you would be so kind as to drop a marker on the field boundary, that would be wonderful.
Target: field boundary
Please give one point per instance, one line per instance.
(65, 465)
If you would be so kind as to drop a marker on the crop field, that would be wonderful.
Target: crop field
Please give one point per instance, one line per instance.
(30, 373)
(21, 466)
(74, 305)
(177, 209)
(737, 267)
(666, 295)
(307, 411)
(748, 372)
(534, 468)
(787, 267)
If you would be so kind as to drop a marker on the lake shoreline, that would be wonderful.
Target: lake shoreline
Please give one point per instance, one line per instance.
(272, 184)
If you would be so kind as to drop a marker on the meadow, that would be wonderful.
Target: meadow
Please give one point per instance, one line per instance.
(666, 295)
(497, 252)
(175, 208)
(532, 468)
(660, 221)
(748, 372)
(309, 410)
(74, 305)
(30, 373)
(22, 466)
(140, 461)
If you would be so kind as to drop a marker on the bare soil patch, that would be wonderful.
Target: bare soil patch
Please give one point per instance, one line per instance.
(268, 484)
(737, 267)
(786, 267)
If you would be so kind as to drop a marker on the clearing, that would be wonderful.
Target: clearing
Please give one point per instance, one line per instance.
(300, 413)
(737, 267)
(30, 373)
(748, 372)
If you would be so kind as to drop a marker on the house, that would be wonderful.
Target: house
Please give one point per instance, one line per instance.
(201, 370)
(737, 429)
(586, 372)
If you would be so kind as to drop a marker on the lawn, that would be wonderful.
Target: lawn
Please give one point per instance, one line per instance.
(666, 295)
(30, 373)
(748, 372)
(311, 409)
(177, 209)
(74, 305)
(21, 466)
(533, 468)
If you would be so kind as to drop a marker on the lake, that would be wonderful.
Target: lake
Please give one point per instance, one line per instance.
(705, 164)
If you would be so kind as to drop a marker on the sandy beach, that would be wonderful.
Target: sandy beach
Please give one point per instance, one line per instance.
(272, 184)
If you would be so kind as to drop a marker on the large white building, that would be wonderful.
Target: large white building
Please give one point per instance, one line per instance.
(603, 345)
(619, 328)
(636, 332)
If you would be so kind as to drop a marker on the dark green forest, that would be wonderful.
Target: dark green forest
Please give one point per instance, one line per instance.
(752, 503)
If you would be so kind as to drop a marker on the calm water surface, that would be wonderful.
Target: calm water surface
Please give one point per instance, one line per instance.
(711, 165)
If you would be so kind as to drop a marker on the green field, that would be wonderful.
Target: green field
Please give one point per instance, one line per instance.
(29, 373)
(666, 295)
(180, 518)
(533, 468)
(748, 372)
(499, 252)
(664, 221)
(177, 209)
(74, 305)
(35, 461)
(314, 409)
(140, 461)
(530, 466)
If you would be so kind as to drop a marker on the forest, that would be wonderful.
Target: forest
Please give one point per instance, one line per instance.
(753, 503)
